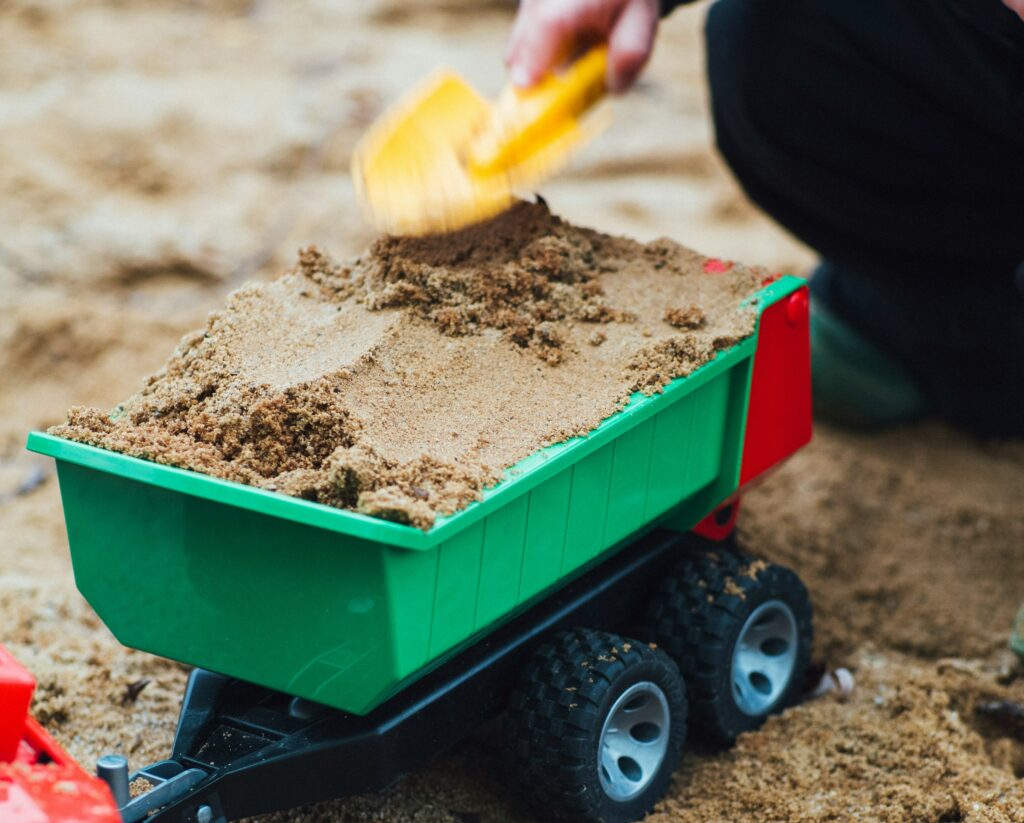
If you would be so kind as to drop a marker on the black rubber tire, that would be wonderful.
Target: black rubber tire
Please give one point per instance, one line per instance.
(556, 715)
(696, 618)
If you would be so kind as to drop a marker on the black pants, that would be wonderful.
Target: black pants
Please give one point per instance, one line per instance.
(889, 136)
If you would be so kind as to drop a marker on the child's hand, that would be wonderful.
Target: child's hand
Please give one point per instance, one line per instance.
(547, 32)
(1017, 6)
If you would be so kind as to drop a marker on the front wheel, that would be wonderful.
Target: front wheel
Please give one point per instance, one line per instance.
(596, 726)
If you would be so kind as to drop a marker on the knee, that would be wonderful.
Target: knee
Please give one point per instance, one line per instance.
(768, 72)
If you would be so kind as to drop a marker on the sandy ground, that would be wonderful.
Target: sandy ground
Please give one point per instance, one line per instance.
(154, 155)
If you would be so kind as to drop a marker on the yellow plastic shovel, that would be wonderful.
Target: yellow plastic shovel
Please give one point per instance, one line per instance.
(443, 157)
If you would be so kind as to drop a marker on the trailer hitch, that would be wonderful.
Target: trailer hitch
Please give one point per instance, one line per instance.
(169, 779)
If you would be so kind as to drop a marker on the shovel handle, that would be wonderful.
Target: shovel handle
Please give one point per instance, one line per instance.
(573, 90)
(521, 118)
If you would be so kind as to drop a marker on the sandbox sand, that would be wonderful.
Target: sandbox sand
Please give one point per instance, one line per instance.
(404, 382)
(155, 155)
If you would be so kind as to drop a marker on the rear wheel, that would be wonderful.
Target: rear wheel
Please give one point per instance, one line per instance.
(740, 631)
(596, 726)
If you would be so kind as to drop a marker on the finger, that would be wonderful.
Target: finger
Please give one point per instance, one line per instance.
(519, 27)
(631, 42)
(546, 33)
(1017, 6)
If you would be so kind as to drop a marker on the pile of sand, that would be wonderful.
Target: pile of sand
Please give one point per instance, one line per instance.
(405, 382)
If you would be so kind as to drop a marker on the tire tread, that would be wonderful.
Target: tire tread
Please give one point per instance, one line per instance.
(555, 709)
(694, 617)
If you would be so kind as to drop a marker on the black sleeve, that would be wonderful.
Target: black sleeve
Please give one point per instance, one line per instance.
(668, 6)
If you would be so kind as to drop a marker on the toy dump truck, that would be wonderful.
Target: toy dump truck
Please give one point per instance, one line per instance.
(336, 652)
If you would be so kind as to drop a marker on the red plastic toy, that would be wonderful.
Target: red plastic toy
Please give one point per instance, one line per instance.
(779, 412)
(39, 782)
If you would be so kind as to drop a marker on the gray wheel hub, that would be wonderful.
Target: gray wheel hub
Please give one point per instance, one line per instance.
(764, 658)
(633, 741)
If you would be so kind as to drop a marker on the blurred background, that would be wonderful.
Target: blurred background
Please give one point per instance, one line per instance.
(156, 154)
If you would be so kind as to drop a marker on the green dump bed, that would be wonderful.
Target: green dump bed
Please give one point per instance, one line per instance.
(345, 609)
